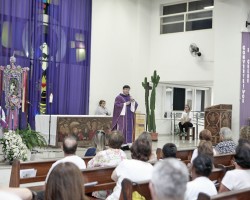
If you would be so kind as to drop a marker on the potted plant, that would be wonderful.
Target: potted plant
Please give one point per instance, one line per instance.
(150, 109)
(31, 138)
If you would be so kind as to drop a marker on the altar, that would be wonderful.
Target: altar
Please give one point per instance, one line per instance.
(81, 126)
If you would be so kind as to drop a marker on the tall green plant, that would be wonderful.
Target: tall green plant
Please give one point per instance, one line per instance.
(31, 138)
(146, 86)
(155, 80)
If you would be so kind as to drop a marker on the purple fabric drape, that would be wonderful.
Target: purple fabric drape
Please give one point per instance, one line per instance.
(69, 70)
(67, 35)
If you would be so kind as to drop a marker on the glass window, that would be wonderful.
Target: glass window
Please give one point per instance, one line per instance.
(173, 28)
(173, 9)
(199, 5)
(173, 19)
(198, 25)
(198, 16)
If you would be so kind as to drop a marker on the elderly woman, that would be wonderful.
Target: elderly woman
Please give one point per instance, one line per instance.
(136, 169)
(226, 145)
(201, 169)
(239, 177)
(101, 109)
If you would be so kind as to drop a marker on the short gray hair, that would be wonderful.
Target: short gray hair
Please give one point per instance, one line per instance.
(169, 179)
(226, 133)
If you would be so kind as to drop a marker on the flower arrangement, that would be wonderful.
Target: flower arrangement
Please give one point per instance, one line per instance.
(13, 147)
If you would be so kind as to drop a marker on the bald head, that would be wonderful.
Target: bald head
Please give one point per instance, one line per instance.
(69, 145)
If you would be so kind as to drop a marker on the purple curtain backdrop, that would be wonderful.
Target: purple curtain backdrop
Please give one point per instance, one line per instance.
(245, 80)
(68, 35)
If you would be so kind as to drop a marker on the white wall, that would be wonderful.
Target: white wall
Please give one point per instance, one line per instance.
(230, 17)
(120, 49)
(170, 52)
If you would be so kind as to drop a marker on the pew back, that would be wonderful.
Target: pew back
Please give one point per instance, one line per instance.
(243, 194)
(42, 168)
(128, 187)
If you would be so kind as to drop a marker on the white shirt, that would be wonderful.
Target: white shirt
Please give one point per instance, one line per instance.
(186, 116)
(9, 196)
(200, 184)
(78, 161)
(135, 170)
(195, 154)
(236, 179)
(102, 111)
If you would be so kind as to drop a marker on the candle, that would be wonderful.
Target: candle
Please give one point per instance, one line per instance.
(51, 98)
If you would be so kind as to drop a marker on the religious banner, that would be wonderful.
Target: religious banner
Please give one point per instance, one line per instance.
(244, 83)
(14, 79)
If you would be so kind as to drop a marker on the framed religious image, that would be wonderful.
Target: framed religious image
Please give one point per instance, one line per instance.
(84, 128)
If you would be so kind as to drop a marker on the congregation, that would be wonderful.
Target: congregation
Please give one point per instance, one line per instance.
(65, 181)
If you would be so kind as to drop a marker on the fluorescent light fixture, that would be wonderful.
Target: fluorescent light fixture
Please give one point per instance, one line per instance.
(208, 7)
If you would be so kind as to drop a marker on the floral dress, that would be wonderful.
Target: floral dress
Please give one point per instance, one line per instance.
(106, 158)
(227, 146)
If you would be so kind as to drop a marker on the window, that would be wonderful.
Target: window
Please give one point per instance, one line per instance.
(188, 16)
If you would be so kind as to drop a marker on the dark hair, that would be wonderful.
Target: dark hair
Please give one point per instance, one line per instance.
(70, 144)
(169, 150)
(141, 149)
(242, 141)
(242, 155)
(203, 165)
(126, 86)
(65, 182)
(101, 101)
(116, 140)
(205, 134)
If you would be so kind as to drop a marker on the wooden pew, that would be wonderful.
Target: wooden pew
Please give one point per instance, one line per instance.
(128, 187)
(243, 194)
(100, 175)
(223, 159)
(184, 154)
(217, 175)
(42, 168)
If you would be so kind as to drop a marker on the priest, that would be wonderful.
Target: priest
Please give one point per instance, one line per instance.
(123, 115)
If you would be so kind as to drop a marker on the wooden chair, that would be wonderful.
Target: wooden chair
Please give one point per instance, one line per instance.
(243, 194)
(192, 130)
(128, 187)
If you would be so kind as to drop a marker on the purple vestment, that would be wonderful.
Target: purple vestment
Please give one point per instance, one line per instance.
(123, 123)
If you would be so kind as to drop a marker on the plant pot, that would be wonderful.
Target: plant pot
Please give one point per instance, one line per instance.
(154, 136)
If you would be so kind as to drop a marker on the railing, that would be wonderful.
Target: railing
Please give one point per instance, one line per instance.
(197, 120)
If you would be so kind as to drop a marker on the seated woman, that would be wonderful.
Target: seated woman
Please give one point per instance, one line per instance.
(206, 136)
(239, 177)
(101, 109)
(135, 169)
(201, 169)
(65, 182)
(227, 145)
(186, 119)
(109, 157)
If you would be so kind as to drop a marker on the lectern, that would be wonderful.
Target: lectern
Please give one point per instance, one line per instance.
(216, 117)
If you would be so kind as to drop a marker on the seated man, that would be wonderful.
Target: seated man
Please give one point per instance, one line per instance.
(169, 150)
(69, 149)
(169, 180)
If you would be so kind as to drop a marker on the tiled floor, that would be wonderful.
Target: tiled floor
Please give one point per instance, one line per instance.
(57, 153)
